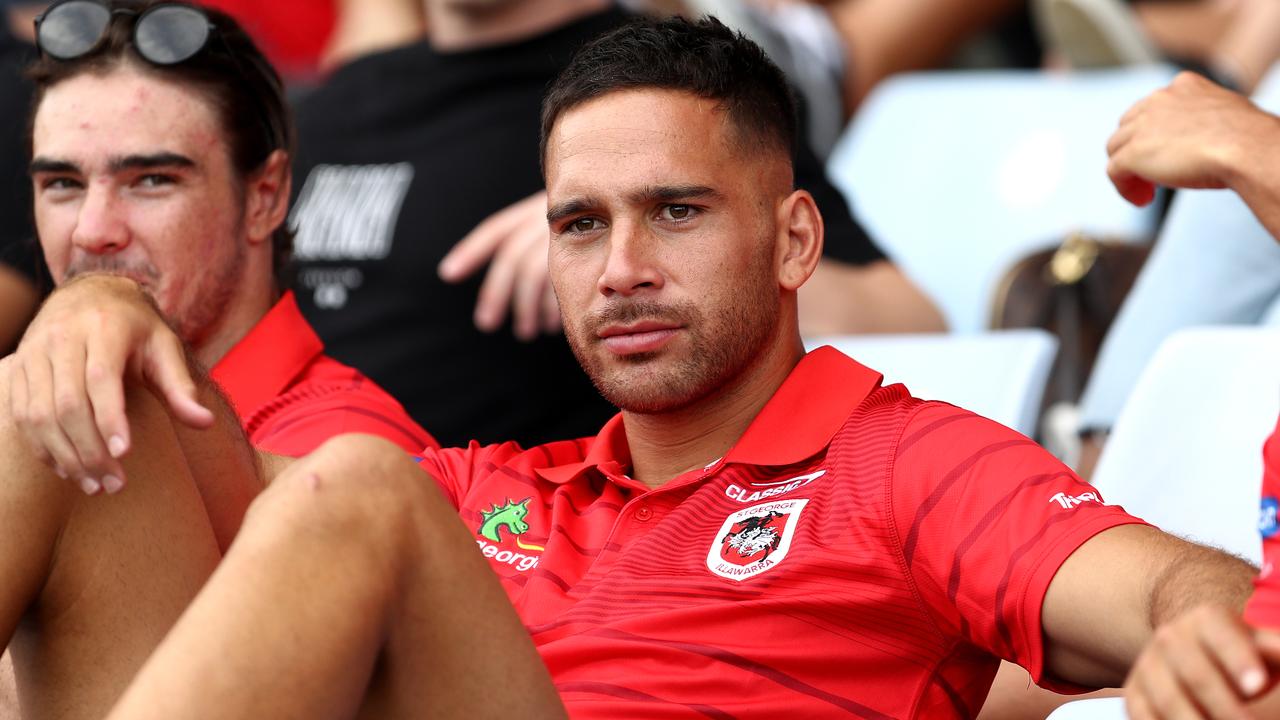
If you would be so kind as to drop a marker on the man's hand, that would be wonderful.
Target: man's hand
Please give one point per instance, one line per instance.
(1191, 134)
(1204, 663)
(67, 392)
(515, 240)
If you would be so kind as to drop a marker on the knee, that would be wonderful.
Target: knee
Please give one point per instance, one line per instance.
(361, 494)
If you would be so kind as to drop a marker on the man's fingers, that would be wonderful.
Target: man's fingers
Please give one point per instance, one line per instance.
(1231, 645)
(1165, 696)
(19, 402)
(479, 245)
(104, 382)
(1120, 138)
(165, 367)
(1131, 187)
(531, 282)
(74, 412)
(40, 424)
(1267, 643)
(495, 292)
(474, 250)
(1212, 686)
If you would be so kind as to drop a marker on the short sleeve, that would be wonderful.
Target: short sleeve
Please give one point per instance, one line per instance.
(1263, 609)
(311, 415)
(456, 469)
(986, 517)
(845, 238)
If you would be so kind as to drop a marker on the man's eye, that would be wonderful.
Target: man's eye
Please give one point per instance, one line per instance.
(582, 225)
(153, 180)
(678, 212)
(59, 183)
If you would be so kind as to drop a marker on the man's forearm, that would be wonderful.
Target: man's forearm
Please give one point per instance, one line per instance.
(1197, 576)
(1255, 176)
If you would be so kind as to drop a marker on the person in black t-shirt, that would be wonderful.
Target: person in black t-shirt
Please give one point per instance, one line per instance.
(403, 153)
(22, 273)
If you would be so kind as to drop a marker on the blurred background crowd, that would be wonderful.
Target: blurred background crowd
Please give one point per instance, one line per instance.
(957, 149)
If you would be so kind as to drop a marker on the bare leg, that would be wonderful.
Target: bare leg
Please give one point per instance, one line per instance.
(8, 688)
(91, 584)
(351, 585)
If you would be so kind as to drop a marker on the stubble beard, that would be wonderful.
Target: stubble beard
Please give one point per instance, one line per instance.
(722, 346)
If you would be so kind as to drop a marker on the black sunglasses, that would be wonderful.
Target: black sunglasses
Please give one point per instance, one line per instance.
(165, 34)
(162, 35)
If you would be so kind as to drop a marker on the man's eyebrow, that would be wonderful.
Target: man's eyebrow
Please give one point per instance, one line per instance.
(116, 164)
(560, 211)
(672, 193)
(147, 162)
(643, 196)
(49, 165)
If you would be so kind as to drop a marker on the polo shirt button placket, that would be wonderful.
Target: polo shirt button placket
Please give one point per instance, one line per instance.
(644, 514)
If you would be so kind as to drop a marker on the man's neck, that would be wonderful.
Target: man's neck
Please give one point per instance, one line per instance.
(667, 445)
(246, 309)
(455, 26)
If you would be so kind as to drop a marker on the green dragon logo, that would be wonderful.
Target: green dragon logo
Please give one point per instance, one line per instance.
(511, 516)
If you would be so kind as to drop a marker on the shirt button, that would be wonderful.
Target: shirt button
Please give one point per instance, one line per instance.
(644, 514)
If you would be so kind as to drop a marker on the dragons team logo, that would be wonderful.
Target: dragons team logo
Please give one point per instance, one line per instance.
(754, 539)
(509, 517)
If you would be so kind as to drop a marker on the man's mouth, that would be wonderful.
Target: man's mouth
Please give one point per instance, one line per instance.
(638, 337)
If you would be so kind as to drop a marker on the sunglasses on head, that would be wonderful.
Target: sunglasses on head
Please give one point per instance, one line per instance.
(162, 35)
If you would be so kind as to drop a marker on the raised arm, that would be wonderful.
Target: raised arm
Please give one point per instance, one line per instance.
(67, 388)
(1196, 134)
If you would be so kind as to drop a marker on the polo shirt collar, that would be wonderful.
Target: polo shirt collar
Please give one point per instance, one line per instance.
(806, 411)
(266, 362)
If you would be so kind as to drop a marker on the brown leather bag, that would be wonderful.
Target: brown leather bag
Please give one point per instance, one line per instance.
(1073, 291)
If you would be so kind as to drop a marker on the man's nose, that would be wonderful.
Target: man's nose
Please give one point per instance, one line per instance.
(100, 226)
(632, 265)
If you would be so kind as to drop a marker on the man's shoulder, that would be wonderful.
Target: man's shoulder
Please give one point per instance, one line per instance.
(328, 399)
(892, 425)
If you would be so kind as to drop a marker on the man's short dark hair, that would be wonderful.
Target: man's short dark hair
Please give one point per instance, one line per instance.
(230, 72)
(701, 57)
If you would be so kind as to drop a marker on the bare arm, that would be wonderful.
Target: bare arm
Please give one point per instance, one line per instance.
(840, 299)
(1107, 600)
(1166, 612)
(1195, 134)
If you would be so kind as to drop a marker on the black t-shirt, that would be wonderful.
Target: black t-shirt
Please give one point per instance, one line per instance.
(18, 248)
(401, 154)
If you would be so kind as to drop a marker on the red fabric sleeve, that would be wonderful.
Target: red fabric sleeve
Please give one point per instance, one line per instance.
(309, 416)
(455, 469)
(1263, 609)
(986, 517)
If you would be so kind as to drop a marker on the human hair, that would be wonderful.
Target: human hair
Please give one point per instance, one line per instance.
(701, 57)
(231, 73)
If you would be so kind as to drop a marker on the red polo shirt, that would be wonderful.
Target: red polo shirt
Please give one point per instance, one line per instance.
(1263, 609)
(291, 398)
(857, 552)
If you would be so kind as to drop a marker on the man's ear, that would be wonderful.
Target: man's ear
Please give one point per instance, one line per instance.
(267, 197)
(799, 239)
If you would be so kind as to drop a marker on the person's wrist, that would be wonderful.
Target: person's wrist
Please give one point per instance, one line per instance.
(1249, 159)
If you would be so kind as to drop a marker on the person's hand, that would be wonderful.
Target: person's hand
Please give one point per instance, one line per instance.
(1205, 663)
(514, 241)
(67, 391)
(1191, 134)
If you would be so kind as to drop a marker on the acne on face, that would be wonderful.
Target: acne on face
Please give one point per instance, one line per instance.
(180, 218)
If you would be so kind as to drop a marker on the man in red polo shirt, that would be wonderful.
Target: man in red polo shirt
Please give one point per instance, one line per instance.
(758, 532)
(188, 199)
